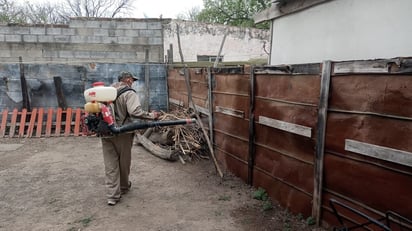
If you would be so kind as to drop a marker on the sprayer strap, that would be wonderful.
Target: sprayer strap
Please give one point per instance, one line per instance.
(121, 91)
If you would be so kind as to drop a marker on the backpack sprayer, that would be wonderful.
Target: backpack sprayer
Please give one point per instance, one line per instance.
(99, 118)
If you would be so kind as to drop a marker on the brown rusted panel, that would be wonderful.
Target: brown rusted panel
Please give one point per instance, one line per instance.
(297, 114)
(288, 197)
(236, 102)
(379, 188)
(295, 88)
(198, 75)
(293, 171)
(386, 94)
(231, 125)
(231, 164)
(232, 83)
(370, 129)
(232, 145)
(180, 97)
(291, 144)
(177, 84)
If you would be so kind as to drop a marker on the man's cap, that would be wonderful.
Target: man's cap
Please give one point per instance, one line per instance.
(125, 74)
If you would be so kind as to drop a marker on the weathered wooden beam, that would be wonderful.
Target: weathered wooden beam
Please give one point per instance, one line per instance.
(320, 140)
(210, 84)
(286, 126)
(251, 153)
(230, 111)
(379, 152)
(377, 66)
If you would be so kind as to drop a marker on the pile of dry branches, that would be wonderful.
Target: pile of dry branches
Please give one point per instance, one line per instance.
(183, 142)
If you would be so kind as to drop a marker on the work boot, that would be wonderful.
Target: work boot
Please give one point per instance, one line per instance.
(129, 185)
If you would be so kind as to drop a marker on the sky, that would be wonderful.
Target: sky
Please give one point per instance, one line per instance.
(166, 8)
(151, 8)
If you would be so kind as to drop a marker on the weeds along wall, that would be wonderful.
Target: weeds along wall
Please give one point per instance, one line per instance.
(312, 133)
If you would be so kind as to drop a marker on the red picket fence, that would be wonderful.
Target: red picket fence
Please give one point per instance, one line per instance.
(42, 122)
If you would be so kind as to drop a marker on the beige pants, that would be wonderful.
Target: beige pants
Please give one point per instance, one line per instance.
(117, 160)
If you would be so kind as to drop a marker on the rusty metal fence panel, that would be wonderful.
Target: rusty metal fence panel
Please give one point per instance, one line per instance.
(311, 134)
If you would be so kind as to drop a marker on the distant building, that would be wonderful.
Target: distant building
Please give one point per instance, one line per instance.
(308, 31)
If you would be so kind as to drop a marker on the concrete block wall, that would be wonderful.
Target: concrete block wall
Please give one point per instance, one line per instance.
(85, 40)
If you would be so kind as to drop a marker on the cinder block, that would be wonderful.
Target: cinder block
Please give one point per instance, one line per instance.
(45, 38)
(109, 40)
(139, 25)
(13, 38)
(125, 40)
(19, 30)
(100, 32)
(124, 25)
(53, 31)
(5, 53)
(62, 39)
(78, 39)
(2, 36)
(155, 41)
(97, 54)
(76, 23)
(128, 55)
(66, 54)
(30, 38)
(108, 24)
(37, 30)
(68, 31)
(93, 39)
(82, 54)
(154, 25)
(141, 40)
(4, 30)
(113, 55)
(50, 53)
(92, 24)
(132, 33)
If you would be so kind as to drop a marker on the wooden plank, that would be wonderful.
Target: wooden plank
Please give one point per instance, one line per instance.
(320, 140)
(210, 104)
(380, 152)
(251, 141)
(176, 102)
(49, 122)
(39, 126)
(286, 126)
(200, 109)
(13, 123)
(58, 121)
(230, 111)
(4, 116)
(30, 129)
(77, 119)
(362, 66)
(22, 122)
(68, 124)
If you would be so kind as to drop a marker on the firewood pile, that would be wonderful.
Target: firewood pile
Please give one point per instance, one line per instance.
(180, 142)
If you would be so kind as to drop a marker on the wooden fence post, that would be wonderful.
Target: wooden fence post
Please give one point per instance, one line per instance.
(251, 159)
(210, 97)
(320, 140)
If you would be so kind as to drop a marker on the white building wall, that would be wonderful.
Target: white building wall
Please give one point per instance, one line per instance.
(344, 30)
(241, 44)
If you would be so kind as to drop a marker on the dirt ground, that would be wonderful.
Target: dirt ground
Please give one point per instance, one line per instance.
(58, 184)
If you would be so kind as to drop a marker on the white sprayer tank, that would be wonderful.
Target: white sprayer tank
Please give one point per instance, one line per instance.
(100, 93)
